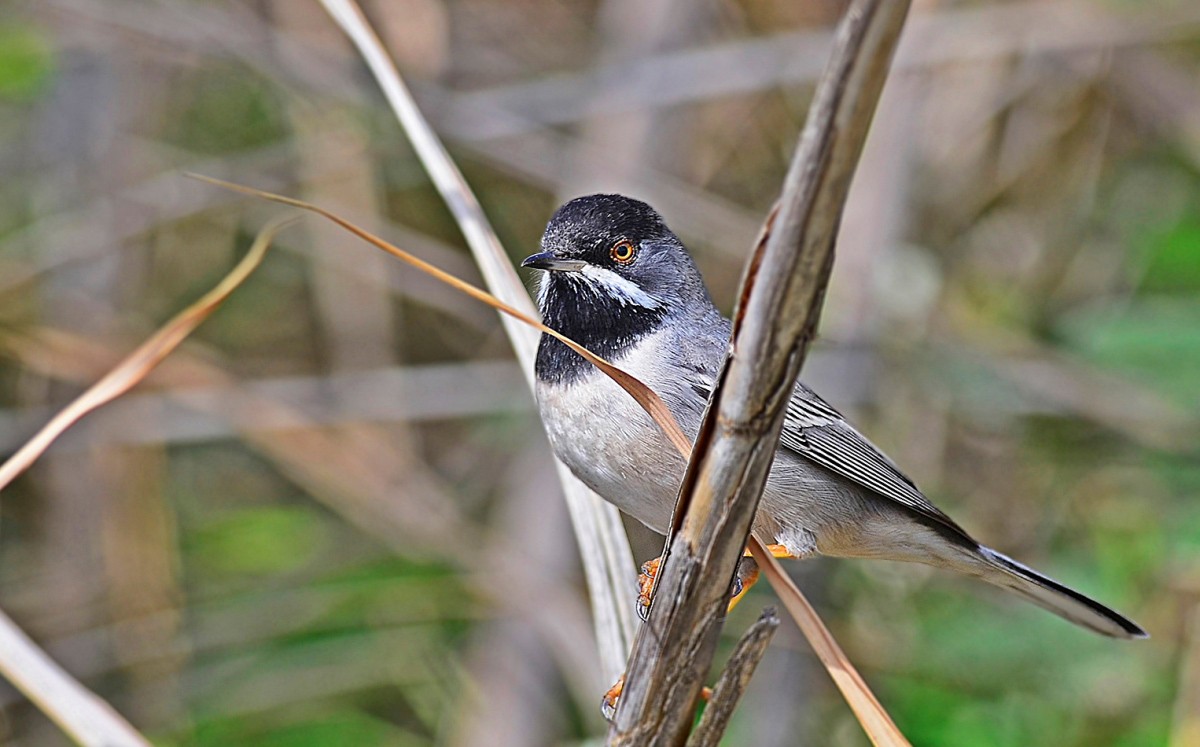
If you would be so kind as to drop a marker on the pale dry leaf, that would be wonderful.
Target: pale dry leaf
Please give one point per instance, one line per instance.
(137, 364)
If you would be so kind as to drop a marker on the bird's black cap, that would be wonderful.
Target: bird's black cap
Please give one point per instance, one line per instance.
(586, 226)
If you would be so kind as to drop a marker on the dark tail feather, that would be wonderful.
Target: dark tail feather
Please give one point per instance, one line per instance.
(1049, 594)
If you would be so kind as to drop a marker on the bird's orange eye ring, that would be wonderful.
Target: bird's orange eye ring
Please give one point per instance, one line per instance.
(622, 252)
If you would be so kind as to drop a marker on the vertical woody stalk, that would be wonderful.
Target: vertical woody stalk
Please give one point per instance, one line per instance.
(774, 323)
(604, 548)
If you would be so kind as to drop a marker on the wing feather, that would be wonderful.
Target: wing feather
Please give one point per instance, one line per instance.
(819, 433)
(814, 430)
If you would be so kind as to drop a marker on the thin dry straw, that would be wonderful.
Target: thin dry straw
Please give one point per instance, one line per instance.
(871, 714)
(146, 356)
(874, 719)
(639, 391)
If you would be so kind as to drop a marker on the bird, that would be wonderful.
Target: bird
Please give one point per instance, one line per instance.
(615, 279)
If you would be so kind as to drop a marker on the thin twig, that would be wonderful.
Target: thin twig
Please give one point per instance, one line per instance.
(604, 548)
(139, 363)
(733, 680)
(83, 716)
(774, 323)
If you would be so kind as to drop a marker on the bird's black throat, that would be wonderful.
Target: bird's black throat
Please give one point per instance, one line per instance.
(601, 323)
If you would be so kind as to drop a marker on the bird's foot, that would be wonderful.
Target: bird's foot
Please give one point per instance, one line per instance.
(608, 705)
(747, 574)
(646, 585)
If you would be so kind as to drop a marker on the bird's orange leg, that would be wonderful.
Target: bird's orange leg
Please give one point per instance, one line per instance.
(608, 706)
(747, 574)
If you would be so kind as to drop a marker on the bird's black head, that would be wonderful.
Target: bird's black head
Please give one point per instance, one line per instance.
(614, 274)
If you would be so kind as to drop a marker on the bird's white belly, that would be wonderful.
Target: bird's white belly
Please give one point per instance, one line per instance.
(613, 446)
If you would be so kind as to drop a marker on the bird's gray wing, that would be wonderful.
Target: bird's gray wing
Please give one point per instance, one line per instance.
(819, 433)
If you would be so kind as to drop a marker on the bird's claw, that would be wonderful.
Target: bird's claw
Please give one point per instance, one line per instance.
(747, 574)
(645, 586)
(608, 704)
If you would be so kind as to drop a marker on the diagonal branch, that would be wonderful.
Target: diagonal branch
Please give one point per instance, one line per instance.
(79, 712)
(774, 323)
(734, 680)
(604, 548)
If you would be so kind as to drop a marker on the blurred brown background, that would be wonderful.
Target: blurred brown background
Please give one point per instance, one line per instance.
(331, 518)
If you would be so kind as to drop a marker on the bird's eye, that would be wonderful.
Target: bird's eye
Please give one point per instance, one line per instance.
(622, 252)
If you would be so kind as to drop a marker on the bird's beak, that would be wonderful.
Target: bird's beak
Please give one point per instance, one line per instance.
(547, 261)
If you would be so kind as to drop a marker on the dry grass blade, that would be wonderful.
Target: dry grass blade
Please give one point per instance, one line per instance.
(643, 394)
(875, 720)
(137, 364)
(806, 617)
(87, 719)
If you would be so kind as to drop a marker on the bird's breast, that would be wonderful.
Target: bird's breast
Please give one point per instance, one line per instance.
(597, 429)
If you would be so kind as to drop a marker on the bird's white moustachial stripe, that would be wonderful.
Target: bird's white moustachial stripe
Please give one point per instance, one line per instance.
(624, 290)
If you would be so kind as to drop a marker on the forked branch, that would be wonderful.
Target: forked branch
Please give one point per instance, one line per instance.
(774, 323)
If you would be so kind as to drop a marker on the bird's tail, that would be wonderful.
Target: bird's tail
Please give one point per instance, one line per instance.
(1062, 601)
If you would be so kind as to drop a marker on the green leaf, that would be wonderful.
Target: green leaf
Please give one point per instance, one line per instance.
(259, 540)
(26, 62)
(1174, 259)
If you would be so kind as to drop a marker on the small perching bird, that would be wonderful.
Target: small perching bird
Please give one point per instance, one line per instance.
(620, 283)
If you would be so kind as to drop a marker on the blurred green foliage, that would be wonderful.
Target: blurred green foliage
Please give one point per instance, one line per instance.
(267, 539)
(224, 109)
(26, 61)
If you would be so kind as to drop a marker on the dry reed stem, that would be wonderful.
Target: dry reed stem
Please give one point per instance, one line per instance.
(775, 321)
(604, 548)
(79, 712)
